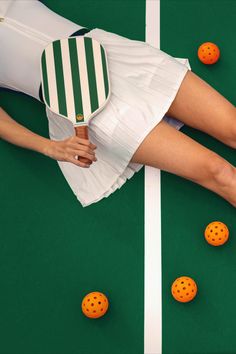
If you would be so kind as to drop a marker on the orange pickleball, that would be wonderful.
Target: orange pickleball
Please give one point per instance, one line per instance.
(216, 233)
(184, 289)
(208, 53)
(94, 304)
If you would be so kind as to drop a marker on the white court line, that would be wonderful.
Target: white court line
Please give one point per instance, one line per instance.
(152, 263)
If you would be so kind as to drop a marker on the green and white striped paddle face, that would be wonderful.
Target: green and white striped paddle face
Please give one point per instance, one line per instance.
(75, 79)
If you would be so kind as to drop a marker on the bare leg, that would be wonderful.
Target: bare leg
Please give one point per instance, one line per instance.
(170, 150)
(200, 106)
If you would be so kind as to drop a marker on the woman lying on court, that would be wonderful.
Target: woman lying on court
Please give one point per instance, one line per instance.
(152, 96)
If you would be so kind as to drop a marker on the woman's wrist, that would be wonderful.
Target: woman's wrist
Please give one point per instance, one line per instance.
(47, 147)
(37, 143)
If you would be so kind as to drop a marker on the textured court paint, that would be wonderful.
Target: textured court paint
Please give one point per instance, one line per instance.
(51, 250)
(54, 251)
(207, 325)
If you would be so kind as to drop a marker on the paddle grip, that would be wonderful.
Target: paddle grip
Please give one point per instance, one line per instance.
(82, 132)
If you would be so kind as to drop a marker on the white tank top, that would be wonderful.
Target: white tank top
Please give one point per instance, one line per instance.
(26, 27)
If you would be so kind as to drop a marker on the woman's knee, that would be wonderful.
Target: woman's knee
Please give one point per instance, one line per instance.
(219, 170)
(231, 139)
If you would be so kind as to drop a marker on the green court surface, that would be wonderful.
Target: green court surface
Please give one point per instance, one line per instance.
(53, 251)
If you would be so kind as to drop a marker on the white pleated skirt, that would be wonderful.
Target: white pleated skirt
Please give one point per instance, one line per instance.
(144, 82)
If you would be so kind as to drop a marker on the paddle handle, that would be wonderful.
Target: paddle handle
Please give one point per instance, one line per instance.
(82, 132)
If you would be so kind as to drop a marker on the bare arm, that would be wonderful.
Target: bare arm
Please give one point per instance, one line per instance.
(16, 134)
(64, 150)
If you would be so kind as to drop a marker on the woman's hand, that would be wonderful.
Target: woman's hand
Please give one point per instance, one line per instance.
(64, 150)
(71, 149)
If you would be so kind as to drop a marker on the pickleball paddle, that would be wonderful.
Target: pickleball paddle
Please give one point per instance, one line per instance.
(75, 80)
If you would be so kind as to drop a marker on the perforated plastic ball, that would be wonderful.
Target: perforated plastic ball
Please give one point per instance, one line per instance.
(216, 233)
(95, 304)
(208, 53)
(184, 289)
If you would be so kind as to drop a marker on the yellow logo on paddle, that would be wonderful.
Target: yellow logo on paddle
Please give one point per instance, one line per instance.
(80, 116)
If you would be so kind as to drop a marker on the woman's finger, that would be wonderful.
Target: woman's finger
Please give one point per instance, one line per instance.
(77, 162)
(82, 147)
(82, 153)
(85, 142)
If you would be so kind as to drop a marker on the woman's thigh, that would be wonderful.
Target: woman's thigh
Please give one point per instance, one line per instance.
(200, 106)
(173, 151)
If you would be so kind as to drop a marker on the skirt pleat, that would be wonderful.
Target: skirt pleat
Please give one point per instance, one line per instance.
(144, 82)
